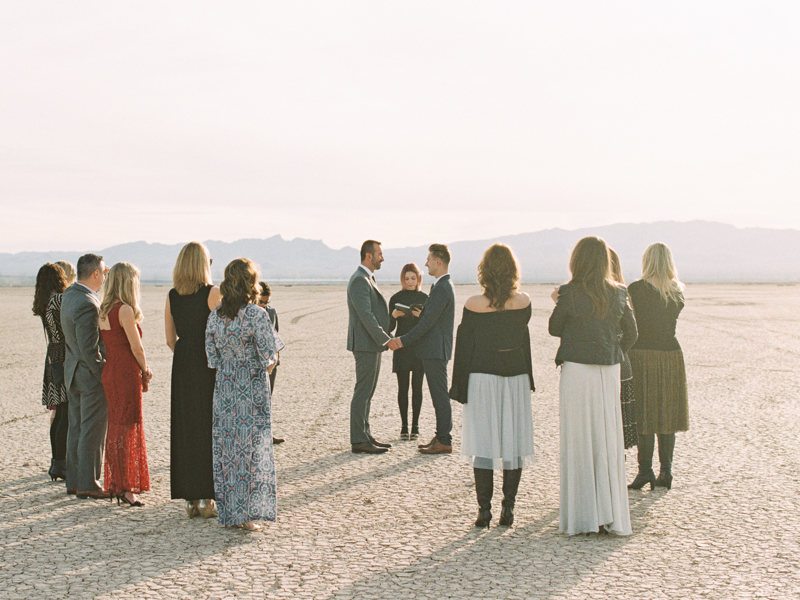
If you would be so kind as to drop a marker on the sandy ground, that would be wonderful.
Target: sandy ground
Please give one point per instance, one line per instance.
(399, 525)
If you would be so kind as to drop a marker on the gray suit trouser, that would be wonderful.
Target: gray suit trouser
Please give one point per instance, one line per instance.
(86, 439)
(368, 366)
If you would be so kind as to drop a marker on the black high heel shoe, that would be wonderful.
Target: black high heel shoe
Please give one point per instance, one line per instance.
(58, 470)
(484, 517)
(506, 516)
(641, 479)
(664, 480)
(124, 498)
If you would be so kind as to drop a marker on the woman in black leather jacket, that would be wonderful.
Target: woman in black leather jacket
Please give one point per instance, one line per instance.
(590, 311)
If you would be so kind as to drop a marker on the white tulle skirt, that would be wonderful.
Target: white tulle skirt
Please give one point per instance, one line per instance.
(497, 424)
(593, 486)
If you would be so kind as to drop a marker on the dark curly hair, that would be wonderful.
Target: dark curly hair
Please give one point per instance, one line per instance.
(50, 279)
(498, 274)
(239, 287)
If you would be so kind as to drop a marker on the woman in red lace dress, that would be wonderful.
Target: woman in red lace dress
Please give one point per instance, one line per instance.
(125, 377)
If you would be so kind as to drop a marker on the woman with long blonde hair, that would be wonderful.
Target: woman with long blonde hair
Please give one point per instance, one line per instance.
(590, 312)
(241, 344)
(125, 377)
(659, 373)
(189, 302)
(493, 378)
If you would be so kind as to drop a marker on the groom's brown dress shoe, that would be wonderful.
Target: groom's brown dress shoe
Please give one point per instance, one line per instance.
(428, 445)
(437, 448)
(94, 494)
(375, 442)
(368, 448)
(71, 491)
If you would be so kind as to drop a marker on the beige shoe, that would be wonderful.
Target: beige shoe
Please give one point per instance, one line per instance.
(191, 508)
(207, 508)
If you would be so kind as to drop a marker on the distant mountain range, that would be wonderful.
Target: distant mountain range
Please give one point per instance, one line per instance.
(704, 252)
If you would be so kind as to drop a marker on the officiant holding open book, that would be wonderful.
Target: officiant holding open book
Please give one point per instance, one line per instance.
(404, 310)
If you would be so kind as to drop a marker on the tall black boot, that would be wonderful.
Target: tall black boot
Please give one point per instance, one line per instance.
(666, 447)
(511, 479)
(647, 444)
(484, 489)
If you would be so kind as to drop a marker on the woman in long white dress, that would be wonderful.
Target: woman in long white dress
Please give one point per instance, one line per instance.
(590, 310)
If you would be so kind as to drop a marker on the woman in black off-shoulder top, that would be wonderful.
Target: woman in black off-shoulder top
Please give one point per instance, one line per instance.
(493, 378)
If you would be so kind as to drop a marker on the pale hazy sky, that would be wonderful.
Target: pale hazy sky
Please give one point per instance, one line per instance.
(409, 122)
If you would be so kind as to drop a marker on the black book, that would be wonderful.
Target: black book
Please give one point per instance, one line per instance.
(407, 309)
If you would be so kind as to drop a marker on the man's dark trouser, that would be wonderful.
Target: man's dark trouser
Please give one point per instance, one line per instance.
(436, 375)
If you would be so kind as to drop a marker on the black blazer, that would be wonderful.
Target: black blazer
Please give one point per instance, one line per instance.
(432, 337)
(586, 339)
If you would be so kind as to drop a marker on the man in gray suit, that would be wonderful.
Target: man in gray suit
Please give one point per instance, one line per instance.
(83, 368)
(432, 340)
(366, 339)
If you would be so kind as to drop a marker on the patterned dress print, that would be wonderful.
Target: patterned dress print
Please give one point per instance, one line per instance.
(244, 464)
(53, 393)
(126, 455)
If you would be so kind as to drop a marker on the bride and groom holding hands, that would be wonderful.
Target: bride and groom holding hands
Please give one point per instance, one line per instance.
(431, 340)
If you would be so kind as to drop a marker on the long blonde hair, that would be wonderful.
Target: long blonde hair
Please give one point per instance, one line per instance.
(658, 268)
(121, 285)
(590, 265)
(616, 267)
(498, 274)
(69, 270)
(192, 269)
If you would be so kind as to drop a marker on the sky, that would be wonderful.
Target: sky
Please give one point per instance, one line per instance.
(407, 122)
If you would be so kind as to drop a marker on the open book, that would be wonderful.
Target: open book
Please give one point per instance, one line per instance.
(407, 309)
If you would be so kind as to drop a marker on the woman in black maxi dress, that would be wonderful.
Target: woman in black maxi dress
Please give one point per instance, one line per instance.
(192, 394)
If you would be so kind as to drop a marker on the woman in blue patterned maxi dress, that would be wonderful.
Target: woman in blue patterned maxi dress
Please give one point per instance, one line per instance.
(242, 346)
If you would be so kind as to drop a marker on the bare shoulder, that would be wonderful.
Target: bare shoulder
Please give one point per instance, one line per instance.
(479, 303)
(520, 300)
(125, 313)
(214, 297)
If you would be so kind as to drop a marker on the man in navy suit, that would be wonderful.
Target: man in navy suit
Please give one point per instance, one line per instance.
(432, 340)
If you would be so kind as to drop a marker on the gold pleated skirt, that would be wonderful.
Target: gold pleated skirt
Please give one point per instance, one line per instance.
(659, 379)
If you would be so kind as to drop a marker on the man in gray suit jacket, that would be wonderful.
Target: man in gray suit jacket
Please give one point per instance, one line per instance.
(432, 340)
(366, 339)
(83, 368)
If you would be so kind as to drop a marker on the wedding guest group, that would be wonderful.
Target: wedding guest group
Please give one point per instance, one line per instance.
(405, 308)
(189, 303)
(125, 377)
(51, 281)
(622, 378)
